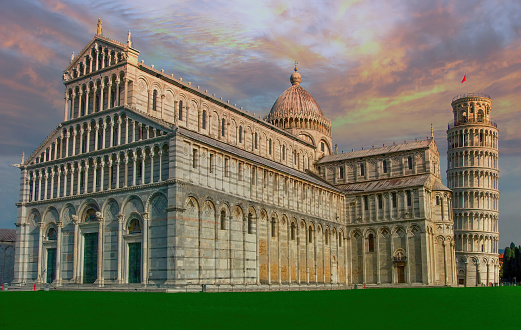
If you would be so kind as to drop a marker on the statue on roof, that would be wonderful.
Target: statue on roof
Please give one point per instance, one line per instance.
(99, 27)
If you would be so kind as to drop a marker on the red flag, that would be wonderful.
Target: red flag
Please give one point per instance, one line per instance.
(464, 79)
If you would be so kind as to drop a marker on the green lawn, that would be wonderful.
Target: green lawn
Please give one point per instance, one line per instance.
(425, 308)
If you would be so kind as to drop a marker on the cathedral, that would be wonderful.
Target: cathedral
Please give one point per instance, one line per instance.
(151, 182)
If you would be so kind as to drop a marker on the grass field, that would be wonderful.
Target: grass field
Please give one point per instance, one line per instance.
(422, 308)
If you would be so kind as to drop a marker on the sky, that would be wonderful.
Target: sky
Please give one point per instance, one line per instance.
(382, 71)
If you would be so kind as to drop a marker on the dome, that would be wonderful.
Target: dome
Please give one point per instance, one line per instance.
(295, 102)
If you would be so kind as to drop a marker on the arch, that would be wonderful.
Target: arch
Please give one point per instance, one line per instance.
(132, 204)
(111, 210)
(67, 213)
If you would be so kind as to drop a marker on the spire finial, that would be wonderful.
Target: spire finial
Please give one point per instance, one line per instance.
(296, 65)
(72, 56)
(129, 40)
(432, 132)
(23, 158)
(99, 27)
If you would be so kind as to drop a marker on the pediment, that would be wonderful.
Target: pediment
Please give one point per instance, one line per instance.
(46, 144)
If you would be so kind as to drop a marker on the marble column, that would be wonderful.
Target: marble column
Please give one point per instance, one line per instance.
(40, 278)
(121, 220)
(100, 278)
(145, 247)
(59, 253)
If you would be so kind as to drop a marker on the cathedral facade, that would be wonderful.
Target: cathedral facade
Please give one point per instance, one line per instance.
(149, 181)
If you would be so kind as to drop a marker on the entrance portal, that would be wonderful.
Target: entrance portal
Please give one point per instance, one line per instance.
(401, 273)
(51, 265)
(90, 258)
(134, 262)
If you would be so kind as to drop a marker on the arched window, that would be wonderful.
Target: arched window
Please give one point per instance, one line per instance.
(223, 126)
(293, 231)
(409, 162)
(384, 166)
(90, 215)
(180, 110)
(250, 223)
(256, 138)
(408, 194)
(269, 147)
(362, 170)
(134, 227)
(437, 200)
(370, 240)
(240, 134)
(223, 220)
(154, 100)
(283, 152)
(310, 238)
(51, 234)
(326, 237)
(341, 173)
(203, 120)
(273, 228)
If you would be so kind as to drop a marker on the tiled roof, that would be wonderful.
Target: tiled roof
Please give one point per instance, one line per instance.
(376, 151)
(439, 186)
(7, 235)
(385, 184)
(257, 159)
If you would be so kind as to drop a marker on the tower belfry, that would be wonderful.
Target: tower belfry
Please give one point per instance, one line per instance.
(472, 174)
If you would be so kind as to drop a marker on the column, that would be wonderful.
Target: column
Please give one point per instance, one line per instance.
(33, 192)
(40, 253)
(52, 184)
(103, 131)
(56, 149)
(378, 281)
(109, 163)
(87, 141)
(143, 167)
(126, 130)
(162, 103)
(298, 253)
(40, 174)
(78, 188)
(121, 219)
(152, 154)
(80, 98)
(65, 172)
(111, 133)
(46, 177)
(160, 153)
(125, 177)
(445, 262)
(74, 141)
(109, 96)
(66, 144)
(125, 101)
(100, 278)
(59, 253)
(149, 101)
(73, 102)
(101, 100)
(94, 93)
(94, 175)
(86, 181)
(407, 250)
(118, 161)
(119, 131)
(87, 94)
(116, 96)
(102, 174)
(96, 136)
(134, 168)
(145, 247)
(66, 108)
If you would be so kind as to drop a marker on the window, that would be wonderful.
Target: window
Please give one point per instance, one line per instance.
(154, 100)
(326, 237)
(256, 139)
(223, 126)
(362, 170)
(366, 203)
(283, 152)
(294, 157)
(273, 228)
(250, 223)
(394, 199)
(408, 194)
(240, 171)
(370, 240)
(180, 110)
(437, 200)
(293, 231)
(384, 166)
(269, 147)
(322, 147)
(203, 120)
(223, 220)
(240, 134)
(194, 158)
(310, 235)
(211, 164)
(253, 176)
(341, 173)
(225, 166)
(409, 162)
(380, 202)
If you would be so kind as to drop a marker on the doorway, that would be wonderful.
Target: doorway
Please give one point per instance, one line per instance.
(51, 265)
(401, 273)
(90, 258)
(134, 263)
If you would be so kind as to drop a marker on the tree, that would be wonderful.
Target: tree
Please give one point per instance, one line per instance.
(511, 264)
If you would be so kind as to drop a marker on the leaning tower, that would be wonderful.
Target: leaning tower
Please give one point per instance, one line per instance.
(472, 174)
